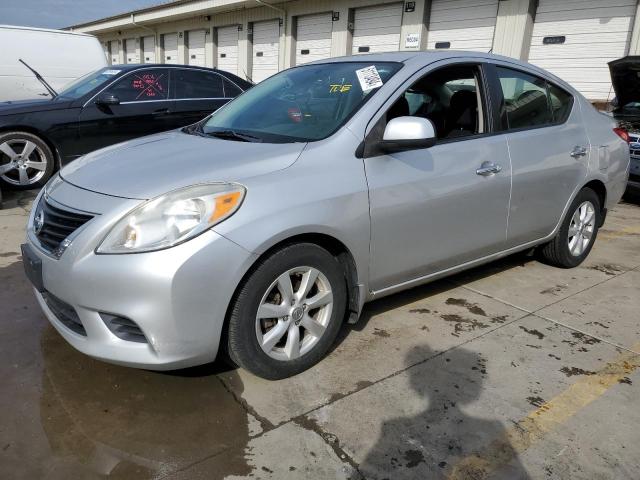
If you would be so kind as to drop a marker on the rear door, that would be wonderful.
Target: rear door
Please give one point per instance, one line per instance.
(197, 93)
(549, 151)
(144, 108)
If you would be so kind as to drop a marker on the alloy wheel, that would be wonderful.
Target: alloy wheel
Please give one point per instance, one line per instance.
(22, 162)
(294, 313)
(581, 228)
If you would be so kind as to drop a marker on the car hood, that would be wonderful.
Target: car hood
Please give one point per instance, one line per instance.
(32, 105)
(625, 77)
(150, 166)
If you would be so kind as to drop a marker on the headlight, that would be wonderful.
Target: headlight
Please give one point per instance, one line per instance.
(173, 218)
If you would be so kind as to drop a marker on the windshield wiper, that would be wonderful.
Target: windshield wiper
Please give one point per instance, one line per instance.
(52, 92)
(233, 135)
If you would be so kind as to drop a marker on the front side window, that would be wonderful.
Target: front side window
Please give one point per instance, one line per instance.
(142, 85)
(305, 103)
(450, 97)
(525, 100)
(197, 84)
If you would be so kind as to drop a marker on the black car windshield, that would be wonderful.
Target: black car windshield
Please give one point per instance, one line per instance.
(84, 85)
(302, 104)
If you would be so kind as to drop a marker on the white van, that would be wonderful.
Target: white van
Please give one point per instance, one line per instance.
(58, 56)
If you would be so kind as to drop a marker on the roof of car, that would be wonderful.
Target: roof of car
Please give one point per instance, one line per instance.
(424, 55)
(132, 66)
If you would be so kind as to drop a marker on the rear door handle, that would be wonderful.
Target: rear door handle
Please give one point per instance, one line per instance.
(488, 168)
(160, 111)
(578, 152)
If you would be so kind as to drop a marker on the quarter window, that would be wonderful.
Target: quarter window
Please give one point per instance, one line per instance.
(197, 84)
(526, 103)
(142, 85)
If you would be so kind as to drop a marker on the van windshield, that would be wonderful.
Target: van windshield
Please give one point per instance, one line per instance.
(302, 104)
(84, 85)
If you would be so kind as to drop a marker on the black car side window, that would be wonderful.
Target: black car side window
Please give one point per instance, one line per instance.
(526, 103)
(197, 84)
(141, 86)
(231, 90)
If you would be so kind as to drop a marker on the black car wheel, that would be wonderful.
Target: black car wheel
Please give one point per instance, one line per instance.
(25, 160)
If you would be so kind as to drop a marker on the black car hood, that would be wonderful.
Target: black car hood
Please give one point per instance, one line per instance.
(33, 105)
(625, 77)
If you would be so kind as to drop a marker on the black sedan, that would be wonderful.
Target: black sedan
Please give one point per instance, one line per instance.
(108, 106)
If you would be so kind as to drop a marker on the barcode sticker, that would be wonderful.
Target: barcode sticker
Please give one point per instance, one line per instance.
(369, 78)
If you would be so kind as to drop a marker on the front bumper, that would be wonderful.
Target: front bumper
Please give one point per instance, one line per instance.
(177, 297)
(633, 184)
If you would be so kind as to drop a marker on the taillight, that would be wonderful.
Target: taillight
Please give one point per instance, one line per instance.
(623, 134)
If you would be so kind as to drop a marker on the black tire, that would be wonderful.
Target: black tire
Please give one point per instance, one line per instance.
(557, 252)
(11, 178)
(242, 345)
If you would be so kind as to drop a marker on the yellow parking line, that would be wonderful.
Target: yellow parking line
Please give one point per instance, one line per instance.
(538, 423)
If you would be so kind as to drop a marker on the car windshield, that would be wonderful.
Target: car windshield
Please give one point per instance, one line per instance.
(302, 104)
(83, 85)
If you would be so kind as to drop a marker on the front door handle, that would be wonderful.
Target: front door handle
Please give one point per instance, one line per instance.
(488, 168)
(578, 152)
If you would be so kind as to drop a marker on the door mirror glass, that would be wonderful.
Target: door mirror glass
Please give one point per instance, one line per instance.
(408, 133)
(108, 99)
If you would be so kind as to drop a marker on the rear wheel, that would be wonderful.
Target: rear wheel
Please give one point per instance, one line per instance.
(25, 160)
(288, 313)
(577, 233)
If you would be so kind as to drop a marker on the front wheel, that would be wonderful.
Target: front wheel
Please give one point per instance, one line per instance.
(577, 233)
(288, 312)
(25, 160)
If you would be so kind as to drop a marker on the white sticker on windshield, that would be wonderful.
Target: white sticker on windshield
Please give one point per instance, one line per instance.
(369, 78)
(111, 72)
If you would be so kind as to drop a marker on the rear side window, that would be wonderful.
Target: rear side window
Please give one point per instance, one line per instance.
(142, 85)
(526, 103)
(197, 84)
(561, 103)
(231, 90)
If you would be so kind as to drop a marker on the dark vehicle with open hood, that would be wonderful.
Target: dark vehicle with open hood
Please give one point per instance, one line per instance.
(625, 77)
(108, 106)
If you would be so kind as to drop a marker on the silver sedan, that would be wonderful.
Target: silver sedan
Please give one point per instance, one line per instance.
(258, 231)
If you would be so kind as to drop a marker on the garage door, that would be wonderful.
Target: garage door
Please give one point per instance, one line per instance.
(114, 52)
(462, 24)
(195, 45)
(228, 49)
(170, 47)
(313, 37)
(266, 47)
(575, 39)
(149, 49)
(377, 29)
(130, 52)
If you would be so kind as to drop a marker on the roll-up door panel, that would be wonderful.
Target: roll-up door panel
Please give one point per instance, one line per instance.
(130, 51)
(313, 37)
(228, 49)
(149, 49)
(170, 48)
(462, 24)
(377, 28)
(195, 44)
(575, 39)
(114, 50)
(266, 48)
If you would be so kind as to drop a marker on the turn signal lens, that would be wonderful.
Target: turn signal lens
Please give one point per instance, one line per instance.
(225, 205)
(622, 133)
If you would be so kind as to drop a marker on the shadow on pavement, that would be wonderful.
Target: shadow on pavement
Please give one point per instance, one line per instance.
(442, 441)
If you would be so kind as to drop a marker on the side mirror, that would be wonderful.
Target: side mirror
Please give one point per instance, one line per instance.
(408, 133)
(108, 99)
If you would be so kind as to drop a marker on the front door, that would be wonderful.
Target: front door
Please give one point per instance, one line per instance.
(436, 208)
(144, 108)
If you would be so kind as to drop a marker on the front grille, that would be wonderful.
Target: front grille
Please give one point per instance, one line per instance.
(124, 328)
(53, 225)
(65, 313)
